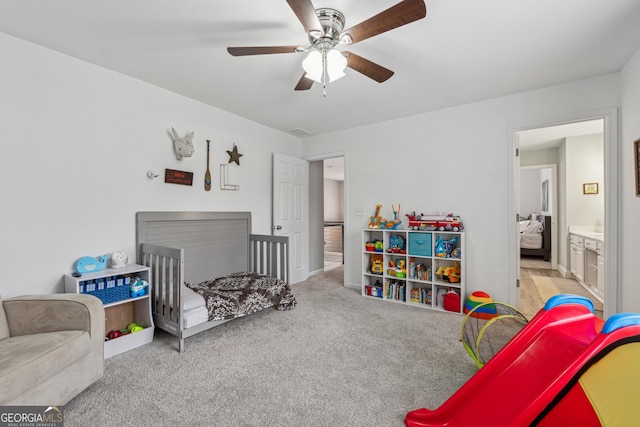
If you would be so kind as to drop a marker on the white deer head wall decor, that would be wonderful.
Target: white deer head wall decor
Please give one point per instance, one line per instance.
(182, 146)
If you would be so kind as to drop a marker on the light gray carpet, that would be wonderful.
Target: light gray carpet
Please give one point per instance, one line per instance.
(337, 359)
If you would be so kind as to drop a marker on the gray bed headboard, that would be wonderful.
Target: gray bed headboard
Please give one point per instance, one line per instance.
(214, 243)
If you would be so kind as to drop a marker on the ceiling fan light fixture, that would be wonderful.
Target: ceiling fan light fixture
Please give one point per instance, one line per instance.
(331, 61)
(336, 63)
(312, 64)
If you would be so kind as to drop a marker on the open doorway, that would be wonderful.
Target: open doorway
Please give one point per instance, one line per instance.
(333, 220)
(327, 201)
(554, 163)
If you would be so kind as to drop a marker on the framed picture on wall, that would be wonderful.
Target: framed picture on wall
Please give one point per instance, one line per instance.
(636, 161)
(590, 188)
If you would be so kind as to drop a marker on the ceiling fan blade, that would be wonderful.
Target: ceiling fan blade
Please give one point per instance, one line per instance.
(304, 83)
(306, 13)
(260, 50)
(396, 16)
(368, 68)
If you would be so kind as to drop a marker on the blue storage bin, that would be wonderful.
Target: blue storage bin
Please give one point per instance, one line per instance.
(420, 244)
(110, 295)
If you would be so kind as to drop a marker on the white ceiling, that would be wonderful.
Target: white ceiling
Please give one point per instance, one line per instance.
(553, 136)
(463, 51)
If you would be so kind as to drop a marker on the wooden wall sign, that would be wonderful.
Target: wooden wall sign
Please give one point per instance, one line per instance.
(172, 176)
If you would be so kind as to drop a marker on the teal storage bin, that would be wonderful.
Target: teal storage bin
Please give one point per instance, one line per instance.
(420, 244)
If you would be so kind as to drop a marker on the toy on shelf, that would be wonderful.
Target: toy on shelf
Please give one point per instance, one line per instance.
(419, 271)
(374, 246)
(376, 264)
(397, 268)
(396, 244)
(134, 327)
(420, 295)
(434, 222)
(451, 301)
(130, 329)
(446, 248)
(138, 287)
(449, 273)
(393, 225)
(89, 264)
(376, 219)
(118, 259)
(375, 290)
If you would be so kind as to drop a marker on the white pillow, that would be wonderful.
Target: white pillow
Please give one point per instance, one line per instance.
(191, 299)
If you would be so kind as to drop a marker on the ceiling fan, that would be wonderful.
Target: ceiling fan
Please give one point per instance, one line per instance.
(324, 27)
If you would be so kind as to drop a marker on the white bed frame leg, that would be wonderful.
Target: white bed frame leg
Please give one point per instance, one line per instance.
(181, 345)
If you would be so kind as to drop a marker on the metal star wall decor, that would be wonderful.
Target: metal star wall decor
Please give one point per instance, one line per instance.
(234, 156)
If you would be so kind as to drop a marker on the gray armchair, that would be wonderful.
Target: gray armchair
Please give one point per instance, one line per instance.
(51, 347)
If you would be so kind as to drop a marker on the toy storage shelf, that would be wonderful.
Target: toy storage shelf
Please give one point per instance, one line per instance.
(402, 267)
(121, 309)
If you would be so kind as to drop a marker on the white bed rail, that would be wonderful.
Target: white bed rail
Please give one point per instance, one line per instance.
(269, 255)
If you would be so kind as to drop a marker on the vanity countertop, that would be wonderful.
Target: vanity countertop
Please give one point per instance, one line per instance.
(587, 232)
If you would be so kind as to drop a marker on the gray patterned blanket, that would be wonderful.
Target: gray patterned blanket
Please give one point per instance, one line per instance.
(240, 294)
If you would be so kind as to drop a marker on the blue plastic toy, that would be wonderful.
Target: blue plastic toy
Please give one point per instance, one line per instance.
(445, 248)
(138, 287)
(89, 264)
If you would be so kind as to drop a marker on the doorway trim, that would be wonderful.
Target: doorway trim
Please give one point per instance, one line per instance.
(612, 209)
(345, 203)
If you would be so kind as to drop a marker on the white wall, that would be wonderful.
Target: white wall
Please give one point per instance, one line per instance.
(79, 141)
(333, 200)
(629, 247)
(585, 164)
(531, 180)
(529, 192)
(545, 156)
(453, 160)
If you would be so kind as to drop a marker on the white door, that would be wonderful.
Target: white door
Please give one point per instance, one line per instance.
(291, 211)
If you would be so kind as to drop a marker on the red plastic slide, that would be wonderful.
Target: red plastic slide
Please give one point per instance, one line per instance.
(523, 378)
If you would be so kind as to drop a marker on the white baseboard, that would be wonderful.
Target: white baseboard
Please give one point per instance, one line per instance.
(564, 272)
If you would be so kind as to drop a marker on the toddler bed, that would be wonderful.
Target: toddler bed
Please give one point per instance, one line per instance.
(207, 268)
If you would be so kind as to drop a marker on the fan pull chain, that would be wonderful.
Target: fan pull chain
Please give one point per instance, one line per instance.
(324, 72)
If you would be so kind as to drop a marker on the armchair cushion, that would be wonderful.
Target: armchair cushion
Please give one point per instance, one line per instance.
(40, 356)
(55, 348)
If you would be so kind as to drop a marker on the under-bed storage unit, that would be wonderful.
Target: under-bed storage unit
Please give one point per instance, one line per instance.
(193, 247)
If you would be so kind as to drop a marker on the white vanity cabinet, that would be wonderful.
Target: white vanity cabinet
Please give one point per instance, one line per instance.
(587, 261)
(577, 256)
(600, 284)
